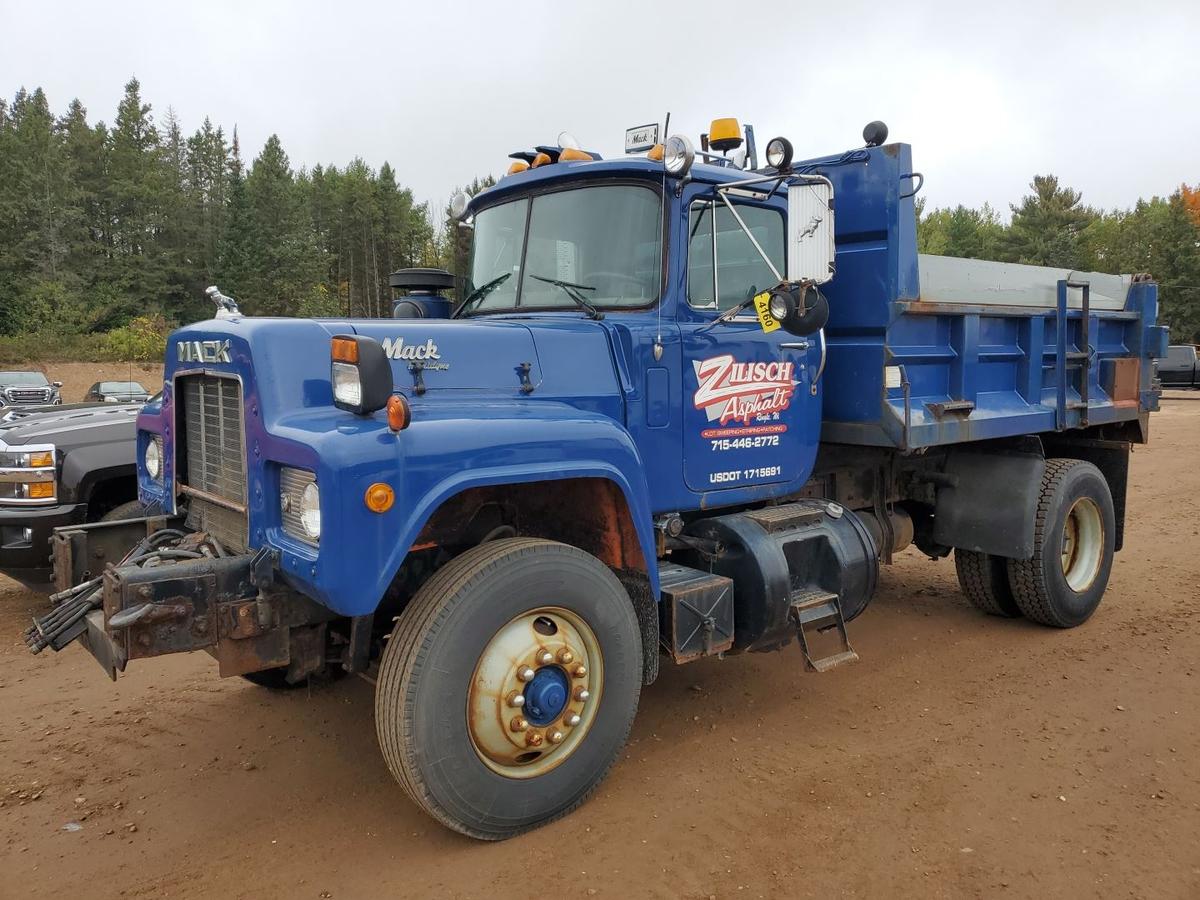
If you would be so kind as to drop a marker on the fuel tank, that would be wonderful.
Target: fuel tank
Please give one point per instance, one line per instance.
(779, 554)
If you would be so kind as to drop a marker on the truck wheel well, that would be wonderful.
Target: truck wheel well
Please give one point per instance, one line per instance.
(109, 494)
(588, 513)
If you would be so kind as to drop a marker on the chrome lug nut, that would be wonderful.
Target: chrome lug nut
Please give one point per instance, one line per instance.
(572, 720)
(556, 737)
(525, 673)
(579, 671)
(582, 693)
(565, 656)
(544, 657)
(515, 699)
(519, 724)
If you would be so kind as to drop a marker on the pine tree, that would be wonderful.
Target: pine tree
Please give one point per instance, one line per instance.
(1046, 226)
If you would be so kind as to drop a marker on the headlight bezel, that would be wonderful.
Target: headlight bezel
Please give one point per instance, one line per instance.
(294, 484)
(155, 469)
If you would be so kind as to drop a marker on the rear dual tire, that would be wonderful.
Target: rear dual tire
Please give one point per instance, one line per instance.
(1074, 538)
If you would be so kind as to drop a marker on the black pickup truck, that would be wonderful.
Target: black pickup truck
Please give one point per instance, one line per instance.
(1179, 368)
(61, 466)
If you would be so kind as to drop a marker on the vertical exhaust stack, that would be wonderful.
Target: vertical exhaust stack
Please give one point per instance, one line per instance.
(421, 299)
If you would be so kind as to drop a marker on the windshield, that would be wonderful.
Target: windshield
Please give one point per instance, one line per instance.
(34, 378)
(605, 241)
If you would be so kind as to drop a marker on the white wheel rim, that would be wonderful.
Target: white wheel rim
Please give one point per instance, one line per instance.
(1082, 544)
(552, 645)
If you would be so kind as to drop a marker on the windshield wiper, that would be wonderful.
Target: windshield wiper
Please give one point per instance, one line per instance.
(572, 290)
(480, 292)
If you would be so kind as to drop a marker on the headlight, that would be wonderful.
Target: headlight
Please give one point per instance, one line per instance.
(111, 400)
(347, 387)
(300, 504)
(154, 457)
(310, 511)
(28, 475)
(779, 153)
(678, 154)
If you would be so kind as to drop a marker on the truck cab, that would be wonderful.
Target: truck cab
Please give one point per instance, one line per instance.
(685, 408)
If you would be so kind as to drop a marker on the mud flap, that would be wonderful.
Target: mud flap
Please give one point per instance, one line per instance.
(986, 501)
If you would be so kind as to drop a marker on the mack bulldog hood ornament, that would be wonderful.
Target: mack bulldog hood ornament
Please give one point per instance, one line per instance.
(227, 307)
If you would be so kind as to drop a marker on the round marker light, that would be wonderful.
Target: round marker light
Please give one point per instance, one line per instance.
(310, 511)
(380, 497)
(153, 459)
(678, 154)
(779, 153)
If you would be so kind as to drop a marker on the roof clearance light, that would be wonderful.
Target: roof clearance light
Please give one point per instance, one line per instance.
(779, 153)
(655, 153)
(518, 166)
(678, 155)
(541, 159)
(572, 154)
(724, 134)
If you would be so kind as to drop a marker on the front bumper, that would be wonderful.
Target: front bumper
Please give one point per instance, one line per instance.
(25, 537)
(229, 606)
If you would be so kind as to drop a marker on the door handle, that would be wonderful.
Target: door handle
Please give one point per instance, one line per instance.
(795, 345)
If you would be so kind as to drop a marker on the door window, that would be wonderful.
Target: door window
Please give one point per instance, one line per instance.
(741, 271)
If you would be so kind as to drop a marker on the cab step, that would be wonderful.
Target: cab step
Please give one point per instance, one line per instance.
(820, 611)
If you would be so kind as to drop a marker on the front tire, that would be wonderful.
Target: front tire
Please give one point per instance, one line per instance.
(1073, 544)
(509, 685)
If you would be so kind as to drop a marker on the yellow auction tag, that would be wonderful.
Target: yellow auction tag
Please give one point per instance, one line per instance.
(767, 321)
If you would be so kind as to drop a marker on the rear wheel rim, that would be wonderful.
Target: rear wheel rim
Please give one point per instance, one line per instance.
(535, 692)
(1082, 544)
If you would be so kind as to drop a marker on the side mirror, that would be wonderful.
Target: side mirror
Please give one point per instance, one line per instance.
(56, 384)
(810, 244)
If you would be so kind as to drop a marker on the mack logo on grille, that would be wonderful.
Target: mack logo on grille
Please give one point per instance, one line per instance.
(204, 351)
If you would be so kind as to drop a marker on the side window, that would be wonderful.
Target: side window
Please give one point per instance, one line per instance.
(740, 270)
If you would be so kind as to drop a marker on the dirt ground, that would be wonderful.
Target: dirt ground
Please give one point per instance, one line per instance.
(963, 756)
(78, 377)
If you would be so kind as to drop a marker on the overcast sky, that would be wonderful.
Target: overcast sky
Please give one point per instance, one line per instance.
(1106, 95)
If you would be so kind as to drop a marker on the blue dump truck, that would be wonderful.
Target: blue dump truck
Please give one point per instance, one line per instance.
(687, 405)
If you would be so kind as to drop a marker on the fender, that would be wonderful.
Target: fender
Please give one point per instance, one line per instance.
(85, 467)
(452, 446)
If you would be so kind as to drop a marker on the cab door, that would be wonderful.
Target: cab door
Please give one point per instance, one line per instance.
(749, 416)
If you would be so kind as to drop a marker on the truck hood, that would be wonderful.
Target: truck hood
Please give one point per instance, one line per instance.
(538, 358)
(72, 426)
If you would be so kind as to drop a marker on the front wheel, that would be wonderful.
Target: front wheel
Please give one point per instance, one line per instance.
(508, 686)
(1074, 540)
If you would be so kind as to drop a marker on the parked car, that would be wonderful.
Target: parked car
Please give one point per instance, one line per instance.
(19, 388)
(68, 465)
(1179, 368)
(117, 392)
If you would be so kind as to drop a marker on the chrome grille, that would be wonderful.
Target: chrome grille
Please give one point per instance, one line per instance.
(29, 395)
(214, 456)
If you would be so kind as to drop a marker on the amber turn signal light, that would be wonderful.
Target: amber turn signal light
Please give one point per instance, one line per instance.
(380, 497)
(345, 350)
(398, 413)
(42, 490)
(41, 460)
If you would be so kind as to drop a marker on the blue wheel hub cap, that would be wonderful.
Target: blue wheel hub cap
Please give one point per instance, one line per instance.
(546, 695)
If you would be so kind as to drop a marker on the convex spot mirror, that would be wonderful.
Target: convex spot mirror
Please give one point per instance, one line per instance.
(810, 247)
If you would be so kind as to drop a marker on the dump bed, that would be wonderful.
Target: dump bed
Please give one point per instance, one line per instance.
(929, 350)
